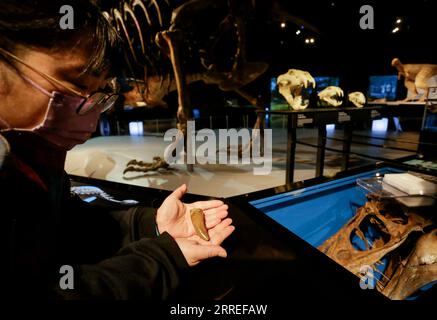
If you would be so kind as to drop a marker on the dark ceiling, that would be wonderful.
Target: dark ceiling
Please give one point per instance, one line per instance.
(341, 47)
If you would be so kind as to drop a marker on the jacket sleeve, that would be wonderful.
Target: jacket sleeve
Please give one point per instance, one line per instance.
(136, 223)
(145, 269)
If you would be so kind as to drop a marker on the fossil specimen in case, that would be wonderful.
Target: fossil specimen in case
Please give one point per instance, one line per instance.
(383, 227)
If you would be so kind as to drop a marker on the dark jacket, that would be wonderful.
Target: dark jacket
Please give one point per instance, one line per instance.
(114, 255)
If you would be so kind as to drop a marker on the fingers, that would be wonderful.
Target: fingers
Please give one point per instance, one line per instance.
(210, 204)
(212, 223)
(194, 251)
(214, 216)
(220, 232)
(213, 251)
(211, 211)
(217, 234)
(179, 192)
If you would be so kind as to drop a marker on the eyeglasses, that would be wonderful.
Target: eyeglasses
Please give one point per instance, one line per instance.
(107, 100)
(90, 101)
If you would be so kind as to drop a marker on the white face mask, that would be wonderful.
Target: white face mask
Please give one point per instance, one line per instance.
(62, 125)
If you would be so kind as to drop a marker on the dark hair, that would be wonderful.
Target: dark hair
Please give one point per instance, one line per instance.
(36, 23)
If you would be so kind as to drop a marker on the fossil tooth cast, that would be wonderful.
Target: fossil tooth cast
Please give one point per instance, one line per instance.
(198, 220)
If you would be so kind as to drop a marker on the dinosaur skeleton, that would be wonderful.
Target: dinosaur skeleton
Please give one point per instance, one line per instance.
(153, 28)
(135, 20)
(416, 76)
(291, 86)
(332, 96)
(392, 227)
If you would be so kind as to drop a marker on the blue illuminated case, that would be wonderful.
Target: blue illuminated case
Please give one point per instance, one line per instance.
(309, 214)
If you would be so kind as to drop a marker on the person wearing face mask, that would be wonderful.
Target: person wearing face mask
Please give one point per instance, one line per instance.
(51, 97)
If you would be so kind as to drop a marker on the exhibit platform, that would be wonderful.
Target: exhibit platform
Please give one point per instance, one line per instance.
(105, 158)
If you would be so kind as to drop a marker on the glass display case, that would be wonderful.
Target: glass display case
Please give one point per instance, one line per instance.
(349, 223)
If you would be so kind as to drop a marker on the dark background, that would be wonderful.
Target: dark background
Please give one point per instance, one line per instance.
(341, 49)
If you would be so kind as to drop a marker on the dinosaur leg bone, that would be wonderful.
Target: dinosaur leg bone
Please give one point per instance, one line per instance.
(173, 40)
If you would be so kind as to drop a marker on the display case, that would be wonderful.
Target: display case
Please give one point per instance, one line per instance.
(274, 253)
(311, 217)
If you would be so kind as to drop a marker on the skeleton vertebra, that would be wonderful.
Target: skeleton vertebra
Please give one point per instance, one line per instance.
(357, 98)
(332, 96)
(291, 85)
(416, 271)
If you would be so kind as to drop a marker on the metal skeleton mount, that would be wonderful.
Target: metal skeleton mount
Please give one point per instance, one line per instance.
(391, 231)
(152, 30)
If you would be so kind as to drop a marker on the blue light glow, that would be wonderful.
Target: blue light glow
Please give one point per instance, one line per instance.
(380, 125)
(136, 128)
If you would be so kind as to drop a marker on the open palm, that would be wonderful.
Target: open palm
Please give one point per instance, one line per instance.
(174, 216)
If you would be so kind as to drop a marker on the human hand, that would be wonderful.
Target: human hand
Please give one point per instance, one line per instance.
(196, 249)
(174, 216)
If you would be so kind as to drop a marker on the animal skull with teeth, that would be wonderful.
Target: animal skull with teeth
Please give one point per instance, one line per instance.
(291, 85)
(331, 96)
(357, 98)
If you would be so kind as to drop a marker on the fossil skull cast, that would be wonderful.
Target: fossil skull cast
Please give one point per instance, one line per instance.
(416, 271)
(357, 98)
(291, 86)
(331, 96)
(392, 225)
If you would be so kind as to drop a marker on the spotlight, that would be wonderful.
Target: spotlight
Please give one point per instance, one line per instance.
(398, 21)
(395, 30)
(298, 32)
(309, 40)
(283, 25)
